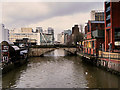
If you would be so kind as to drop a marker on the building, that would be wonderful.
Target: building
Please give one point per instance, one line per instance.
(25, 42)
(75, 34)
(94, 37)
(59, 36)
(24, 33)
(97, 15)
(64, 37)
(47, 37)
(112, 25)
(67, 35)
(26, 30)
(39, 30)
(51, 31)
(4, 33)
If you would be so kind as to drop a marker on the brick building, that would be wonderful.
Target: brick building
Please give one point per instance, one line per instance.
(94, 37)
(97, 15)
(75, 34)
(112, 25)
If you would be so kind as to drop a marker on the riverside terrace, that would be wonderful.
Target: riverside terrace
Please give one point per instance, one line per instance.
(107, 60)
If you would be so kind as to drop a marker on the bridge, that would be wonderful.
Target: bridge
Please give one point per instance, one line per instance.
(40, 51)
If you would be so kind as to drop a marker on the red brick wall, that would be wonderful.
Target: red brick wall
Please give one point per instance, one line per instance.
(115, 23)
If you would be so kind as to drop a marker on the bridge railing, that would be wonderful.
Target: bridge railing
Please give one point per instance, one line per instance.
(53, 46)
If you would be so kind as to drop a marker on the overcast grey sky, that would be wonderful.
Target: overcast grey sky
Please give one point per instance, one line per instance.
(58, 15)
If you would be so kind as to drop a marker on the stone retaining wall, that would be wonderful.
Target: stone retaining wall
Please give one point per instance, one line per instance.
(37, 52)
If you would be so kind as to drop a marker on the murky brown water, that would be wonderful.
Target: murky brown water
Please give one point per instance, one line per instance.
(57, 70)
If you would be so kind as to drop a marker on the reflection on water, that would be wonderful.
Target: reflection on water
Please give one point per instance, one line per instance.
(57, 52)
(56, 70)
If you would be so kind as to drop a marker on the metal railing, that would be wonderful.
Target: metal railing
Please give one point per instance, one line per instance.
(108, 17)
(110, 56)
(99, 55)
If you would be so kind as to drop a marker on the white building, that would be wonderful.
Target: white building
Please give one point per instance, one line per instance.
(64, 37)
(24, 33)
(60, 38)
(4, 33)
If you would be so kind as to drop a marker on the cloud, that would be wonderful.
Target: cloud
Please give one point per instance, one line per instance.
(28, 13)
(59, 15)
(61, 23)
(23, 13)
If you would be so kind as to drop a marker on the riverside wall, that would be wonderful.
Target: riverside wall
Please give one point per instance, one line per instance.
(37, 52)
(112, 66)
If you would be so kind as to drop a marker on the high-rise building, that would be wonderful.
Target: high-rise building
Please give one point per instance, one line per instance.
(4, 33)
(67, 35)
(47, 37)
(1, 32)
(50, 30)
(75, 34)
(97, 15)
(64, 37)
(59, 36)
(112, 25)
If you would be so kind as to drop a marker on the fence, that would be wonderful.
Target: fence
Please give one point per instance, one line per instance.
(109, 55)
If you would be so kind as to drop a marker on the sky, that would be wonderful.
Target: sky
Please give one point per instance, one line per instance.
(58, 15)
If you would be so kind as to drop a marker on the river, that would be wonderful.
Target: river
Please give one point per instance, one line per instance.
(59, 70)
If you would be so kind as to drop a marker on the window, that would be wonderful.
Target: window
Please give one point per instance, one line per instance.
(92, 44)
(117, 34)
(88, 27)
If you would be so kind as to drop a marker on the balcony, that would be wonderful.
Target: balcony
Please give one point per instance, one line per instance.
(98, 34)
(109, 24)
(108, 17)
(108, 2)
(108, 9)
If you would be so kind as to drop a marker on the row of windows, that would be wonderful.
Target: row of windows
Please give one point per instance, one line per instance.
(89, 44)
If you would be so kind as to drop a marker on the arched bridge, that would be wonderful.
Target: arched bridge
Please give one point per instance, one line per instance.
(38, 51)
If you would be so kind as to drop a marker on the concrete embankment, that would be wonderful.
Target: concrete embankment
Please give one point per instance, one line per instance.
(10, 66)
(71, 51)
(112, 66)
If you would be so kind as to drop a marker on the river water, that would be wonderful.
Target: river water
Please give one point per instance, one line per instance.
(58, 70)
